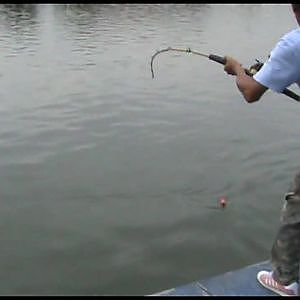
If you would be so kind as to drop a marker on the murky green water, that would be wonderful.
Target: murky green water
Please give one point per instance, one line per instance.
(107, 176)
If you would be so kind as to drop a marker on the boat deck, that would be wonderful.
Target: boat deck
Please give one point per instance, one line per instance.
(241, 282)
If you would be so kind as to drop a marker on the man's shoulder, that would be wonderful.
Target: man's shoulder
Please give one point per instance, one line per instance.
(289, 44)
(293, 35)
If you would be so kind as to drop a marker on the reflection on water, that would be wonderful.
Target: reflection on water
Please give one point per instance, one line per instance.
(107, 175)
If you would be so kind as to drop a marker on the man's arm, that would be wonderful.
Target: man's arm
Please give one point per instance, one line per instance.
(250, 88)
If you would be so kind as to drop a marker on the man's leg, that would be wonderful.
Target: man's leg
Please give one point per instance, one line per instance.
(286, 254)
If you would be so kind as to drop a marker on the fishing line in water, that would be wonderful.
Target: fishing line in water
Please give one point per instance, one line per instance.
(221, 60)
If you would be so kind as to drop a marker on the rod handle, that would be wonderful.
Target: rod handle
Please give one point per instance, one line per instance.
(291, 94)
(222, 60)
(218, 59)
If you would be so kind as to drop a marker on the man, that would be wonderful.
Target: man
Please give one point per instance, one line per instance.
(280, 70)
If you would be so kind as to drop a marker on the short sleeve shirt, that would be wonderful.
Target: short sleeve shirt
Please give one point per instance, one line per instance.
(283, 66)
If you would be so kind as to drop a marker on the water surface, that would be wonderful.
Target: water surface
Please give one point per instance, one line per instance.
(107, 176)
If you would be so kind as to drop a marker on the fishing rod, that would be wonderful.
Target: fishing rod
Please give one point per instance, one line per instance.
(221, 60)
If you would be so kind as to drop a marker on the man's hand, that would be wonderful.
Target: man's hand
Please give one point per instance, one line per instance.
(232, 66)
(251, 89)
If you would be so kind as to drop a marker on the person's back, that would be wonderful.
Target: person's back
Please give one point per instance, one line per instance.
(283, 66)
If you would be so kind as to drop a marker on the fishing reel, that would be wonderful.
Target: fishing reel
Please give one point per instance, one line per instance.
(256, 67)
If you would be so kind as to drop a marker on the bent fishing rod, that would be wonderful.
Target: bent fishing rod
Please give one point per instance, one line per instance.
(222, 60)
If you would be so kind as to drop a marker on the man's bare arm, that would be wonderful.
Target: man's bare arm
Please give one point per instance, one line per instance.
(250, 88)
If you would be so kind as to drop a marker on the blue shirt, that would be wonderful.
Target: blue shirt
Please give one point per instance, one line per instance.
(283, 66)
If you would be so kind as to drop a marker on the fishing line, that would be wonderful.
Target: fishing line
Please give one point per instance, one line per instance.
(221, 60)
